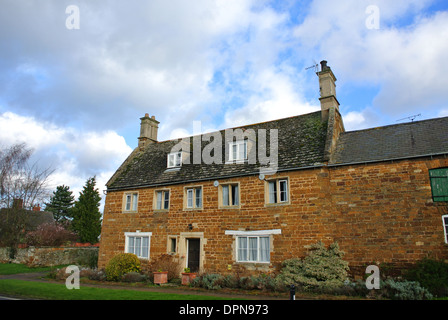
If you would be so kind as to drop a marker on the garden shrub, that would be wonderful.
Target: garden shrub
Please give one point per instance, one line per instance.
(321, 269)
(133, 277)
(121, 264)
(404, 290)
(209, 281)
(165, 262)
(49, 234)
(431, 274)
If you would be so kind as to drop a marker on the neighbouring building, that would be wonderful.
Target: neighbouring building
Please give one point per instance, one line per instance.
(248, 198)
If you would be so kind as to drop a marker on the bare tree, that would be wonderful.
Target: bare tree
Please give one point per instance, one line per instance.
(21, 180)
(21, 186)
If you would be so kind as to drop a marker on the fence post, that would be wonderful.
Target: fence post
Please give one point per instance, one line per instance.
(292, 292)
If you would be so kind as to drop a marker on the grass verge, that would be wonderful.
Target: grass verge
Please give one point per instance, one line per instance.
(56, 291)
(13, 268)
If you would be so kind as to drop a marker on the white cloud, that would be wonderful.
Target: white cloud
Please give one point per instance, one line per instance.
(75, 155)
(405, 61)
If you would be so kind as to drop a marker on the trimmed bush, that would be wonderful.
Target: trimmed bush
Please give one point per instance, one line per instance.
(404, 290)
(321, 269)
(121, 264)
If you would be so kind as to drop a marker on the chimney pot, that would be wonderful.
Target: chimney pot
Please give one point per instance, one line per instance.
(324, 66)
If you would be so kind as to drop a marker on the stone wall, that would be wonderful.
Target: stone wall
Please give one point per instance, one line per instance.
(46, 256)
(378, 213)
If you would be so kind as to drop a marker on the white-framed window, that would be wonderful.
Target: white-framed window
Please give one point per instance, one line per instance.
(253, 249)
(162, 200)
(130, 201)
(278, 191)
(138, 243)
(174, 160)
(193, 198)
(230, 195)
(445, 227)
(253, 246)
(238, 150)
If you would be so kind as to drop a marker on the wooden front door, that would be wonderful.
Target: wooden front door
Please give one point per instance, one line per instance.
(193, 254)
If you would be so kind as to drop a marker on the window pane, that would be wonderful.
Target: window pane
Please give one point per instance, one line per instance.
(235, 195)
(242, 249)
(198, 198)
(170, 160)
(264, 249)
(134, 201)
(138, 246)
(128, 202)
(253, 249)
(159, 200)
(225, 195)
(178, 159)
(145, 247)
(131, 245)
(272, 191)
(234, 151)
(241, 151)
(167, 200)
(173, 244)
(190, 198)
(283, 190)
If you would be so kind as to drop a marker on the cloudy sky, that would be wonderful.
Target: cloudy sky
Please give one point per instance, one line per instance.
(74, 89)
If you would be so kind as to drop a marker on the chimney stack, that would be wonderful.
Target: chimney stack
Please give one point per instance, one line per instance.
(148, 131)
(327, 89)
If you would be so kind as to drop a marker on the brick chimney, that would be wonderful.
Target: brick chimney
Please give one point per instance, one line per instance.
(327, 90)
(148, 131)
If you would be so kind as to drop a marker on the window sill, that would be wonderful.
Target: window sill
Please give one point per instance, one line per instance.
(277, 204)
(229, 207)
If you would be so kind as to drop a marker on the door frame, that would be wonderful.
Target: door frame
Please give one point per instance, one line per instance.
(183, 247)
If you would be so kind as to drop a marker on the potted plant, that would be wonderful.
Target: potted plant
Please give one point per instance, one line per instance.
(187, 276)
(160, 277)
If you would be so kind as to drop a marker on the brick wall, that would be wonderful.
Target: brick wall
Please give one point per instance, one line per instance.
(377, 212)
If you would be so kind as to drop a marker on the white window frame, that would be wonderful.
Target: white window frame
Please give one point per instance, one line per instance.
(227, 200)
(135, 236)
(253, 235)
(174, 159)
(238, 151)
(445, 227)
(162, 201)
(193, 197)
(277, 192)
(130, 202)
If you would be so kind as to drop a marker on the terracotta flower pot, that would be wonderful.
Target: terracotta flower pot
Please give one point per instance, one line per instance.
(160, 277)
(187, 277)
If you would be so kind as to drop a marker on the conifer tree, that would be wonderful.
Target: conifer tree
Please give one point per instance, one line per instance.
(86, 215)
(61, 203)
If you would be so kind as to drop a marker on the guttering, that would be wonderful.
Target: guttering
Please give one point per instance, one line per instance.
(316, 166)
(431, 155)
(320, 165)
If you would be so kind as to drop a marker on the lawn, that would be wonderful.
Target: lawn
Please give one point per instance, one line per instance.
(56, 291)
(13, 268)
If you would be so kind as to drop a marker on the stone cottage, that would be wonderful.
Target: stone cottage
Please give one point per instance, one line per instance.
(248, 198)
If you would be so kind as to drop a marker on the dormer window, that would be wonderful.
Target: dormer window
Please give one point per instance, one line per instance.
(174, 159)
(238, 150)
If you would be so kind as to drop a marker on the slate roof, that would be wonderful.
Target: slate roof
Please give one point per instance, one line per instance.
(301, 143)
(406, 140)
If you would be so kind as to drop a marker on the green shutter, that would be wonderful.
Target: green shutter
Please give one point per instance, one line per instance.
(439, 184)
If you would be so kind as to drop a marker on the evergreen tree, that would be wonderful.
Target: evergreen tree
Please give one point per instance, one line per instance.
(61, 203)
(86, 215)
